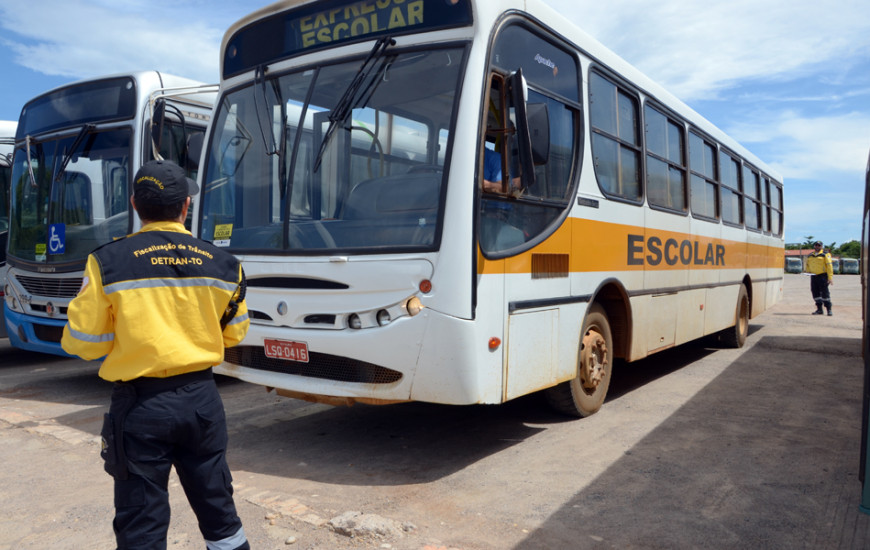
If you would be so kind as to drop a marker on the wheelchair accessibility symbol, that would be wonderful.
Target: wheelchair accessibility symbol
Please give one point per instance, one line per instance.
(56, 238)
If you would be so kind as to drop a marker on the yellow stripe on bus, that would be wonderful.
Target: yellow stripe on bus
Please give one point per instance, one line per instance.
(603, 246)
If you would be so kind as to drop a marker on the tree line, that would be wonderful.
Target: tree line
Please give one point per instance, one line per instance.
(851, 249)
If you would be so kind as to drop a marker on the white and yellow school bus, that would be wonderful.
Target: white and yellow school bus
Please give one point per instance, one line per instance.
(391, 256)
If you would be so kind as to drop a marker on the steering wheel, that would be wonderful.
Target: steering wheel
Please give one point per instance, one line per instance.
(376, 144)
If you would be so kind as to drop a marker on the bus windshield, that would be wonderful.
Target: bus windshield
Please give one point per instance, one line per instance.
(63, 213)
(356, 156)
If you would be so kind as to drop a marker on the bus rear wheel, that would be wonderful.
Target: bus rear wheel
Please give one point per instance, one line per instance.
(584, 394)
(735, 337)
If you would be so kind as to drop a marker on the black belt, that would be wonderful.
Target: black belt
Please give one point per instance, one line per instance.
(149, 384)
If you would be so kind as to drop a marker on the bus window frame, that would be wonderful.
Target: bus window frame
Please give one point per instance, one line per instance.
(707, 140)
(670, 116)
(758, 201)
(503, 73)
(630, 90)
(739, 191)
(776, 184)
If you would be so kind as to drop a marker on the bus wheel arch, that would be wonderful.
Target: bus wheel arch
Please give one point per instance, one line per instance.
(614, 299)
(747, 284)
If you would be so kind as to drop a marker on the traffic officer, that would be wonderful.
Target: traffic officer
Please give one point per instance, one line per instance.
(820, 266)
(159, 307)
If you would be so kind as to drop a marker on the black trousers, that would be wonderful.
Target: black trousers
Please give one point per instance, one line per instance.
(152, 425)
(820, 290)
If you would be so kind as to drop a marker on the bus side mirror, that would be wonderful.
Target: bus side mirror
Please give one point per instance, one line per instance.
(518, 93)
(194, 150)
(539, 132)
(158, 116)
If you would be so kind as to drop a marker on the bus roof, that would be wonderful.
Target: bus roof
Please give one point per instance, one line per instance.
(155, 78)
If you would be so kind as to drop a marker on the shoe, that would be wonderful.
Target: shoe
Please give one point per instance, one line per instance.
(830, 313)
(818, 312)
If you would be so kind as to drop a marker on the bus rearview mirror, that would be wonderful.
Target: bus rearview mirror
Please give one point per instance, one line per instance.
(539, 132)
(518, 92)
(194, 149)
(157, 118)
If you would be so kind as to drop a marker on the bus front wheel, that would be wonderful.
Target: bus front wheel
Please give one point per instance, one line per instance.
(584, 394)
(735, 337)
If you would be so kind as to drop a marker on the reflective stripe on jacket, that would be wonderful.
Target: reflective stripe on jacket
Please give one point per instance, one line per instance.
(151, 303)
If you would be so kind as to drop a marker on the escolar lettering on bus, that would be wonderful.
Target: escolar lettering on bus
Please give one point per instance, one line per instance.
(673, 252)
(360, 19)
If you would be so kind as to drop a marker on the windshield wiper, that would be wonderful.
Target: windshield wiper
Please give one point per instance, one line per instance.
(86, 129)
(351, 98)
(271, 145)
(27, 141)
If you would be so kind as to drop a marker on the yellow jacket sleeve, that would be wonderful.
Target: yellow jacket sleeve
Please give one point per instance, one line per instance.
(89, 332)
(236, 329)
(829, 267)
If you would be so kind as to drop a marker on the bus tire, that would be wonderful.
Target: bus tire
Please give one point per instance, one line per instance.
(584, 394)
(735, 337)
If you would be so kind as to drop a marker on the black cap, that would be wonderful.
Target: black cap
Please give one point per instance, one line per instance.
(817, 243)
(162, 182)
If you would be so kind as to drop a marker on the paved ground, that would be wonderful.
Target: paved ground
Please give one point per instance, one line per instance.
(697, 447)
(764, 455)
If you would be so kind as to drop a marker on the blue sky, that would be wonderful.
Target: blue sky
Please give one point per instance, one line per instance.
(790, 79)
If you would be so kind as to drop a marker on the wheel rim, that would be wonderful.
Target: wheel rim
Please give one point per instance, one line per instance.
(593, 358)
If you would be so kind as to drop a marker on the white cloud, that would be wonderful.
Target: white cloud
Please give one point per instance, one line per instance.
(81, 39)
(697, 48)
(802, 147)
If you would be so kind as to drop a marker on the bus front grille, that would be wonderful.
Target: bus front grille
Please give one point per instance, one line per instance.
(50, 287)
(320, 365)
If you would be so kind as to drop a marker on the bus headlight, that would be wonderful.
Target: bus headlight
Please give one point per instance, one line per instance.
(414, 306)
(11, 302)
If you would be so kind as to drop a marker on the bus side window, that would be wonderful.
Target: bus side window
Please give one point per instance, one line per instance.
(616, 147)
(551, 99)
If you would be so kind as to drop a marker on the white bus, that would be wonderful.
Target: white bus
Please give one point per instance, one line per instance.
(77, 148)
(345, 166)
(793, 265)
(7, 139)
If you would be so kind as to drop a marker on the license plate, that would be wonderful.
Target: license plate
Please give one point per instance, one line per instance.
(287, 350)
